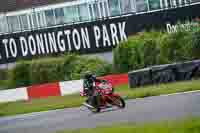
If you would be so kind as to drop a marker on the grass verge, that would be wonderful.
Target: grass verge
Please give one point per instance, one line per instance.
(191, 125)
(155, 90)
(51, 103)
(37, 105)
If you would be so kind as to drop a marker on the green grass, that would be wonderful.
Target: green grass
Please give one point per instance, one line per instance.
(191, 125)
(155, 90)
(51, 103)
(37, 105)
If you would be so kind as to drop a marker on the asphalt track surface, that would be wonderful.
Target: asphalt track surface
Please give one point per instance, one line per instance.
(139, 110)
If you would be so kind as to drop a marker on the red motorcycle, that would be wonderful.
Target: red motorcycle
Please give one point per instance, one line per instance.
(106, 97)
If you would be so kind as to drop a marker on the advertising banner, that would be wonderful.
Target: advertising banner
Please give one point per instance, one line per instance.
(92, 37)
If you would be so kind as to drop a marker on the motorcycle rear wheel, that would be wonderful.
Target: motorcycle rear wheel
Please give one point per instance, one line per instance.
(119, 102)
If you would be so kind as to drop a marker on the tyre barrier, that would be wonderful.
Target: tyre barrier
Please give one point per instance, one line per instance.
(164, 73)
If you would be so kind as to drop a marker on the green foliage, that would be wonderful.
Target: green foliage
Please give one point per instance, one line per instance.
(105, 69)
(154, 48)
(195, 45)
(139, 51)
(83, 64)
(46, 70)
(3, 74)
(67, 67)
(174, 47)
(19, 76)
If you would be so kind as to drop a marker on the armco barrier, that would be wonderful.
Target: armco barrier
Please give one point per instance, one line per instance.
(139, 77)
(54, 89)
(164, 73)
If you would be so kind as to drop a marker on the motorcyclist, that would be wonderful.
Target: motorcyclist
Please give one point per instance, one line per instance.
(89, 82)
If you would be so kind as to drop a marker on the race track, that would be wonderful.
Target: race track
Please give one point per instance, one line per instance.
(139, 110)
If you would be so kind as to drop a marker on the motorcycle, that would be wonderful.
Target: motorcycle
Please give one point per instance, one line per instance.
(104, 92)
